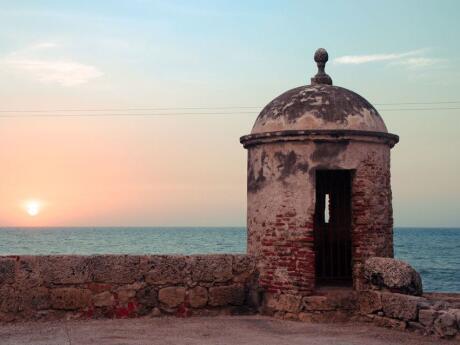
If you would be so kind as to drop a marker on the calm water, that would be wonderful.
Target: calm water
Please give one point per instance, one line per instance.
(435, 253)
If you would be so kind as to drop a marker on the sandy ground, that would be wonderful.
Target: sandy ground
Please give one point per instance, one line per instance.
(255, 330)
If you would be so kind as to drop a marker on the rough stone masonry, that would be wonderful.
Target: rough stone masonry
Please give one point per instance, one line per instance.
(55, 287)
(123, 286)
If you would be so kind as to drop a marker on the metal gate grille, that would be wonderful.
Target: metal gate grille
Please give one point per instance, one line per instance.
(333, 235)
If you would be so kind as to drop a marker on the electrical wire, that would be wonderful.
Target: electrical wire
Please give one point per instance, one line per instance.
(173, 112)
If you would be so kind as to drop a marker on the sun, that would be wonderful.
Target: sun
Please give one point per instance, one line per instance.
(33, 207)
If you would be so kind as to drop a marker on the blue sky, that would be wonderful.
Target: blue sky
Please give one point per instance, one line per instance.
(99, 54)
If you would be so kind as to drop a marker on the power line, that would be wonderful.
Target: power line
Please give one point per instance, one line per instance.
(122, 109)
(412, 109)
(417, 103)
(86, 109)
(126, 115)
(175, 114)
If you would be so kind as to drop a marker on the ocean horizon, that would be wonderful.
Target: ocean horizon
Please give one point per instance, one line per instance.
(433, 252)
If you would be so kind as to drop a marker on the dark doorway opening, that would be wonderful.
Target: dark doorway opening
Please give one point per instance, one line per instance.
(333, 227)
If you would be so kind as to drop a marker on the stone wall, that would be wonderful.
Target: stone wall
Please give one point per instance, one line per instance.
(439, 314)
(55, 287)
(326, 305)
(395, 299)
(119, 286)
(430, 314)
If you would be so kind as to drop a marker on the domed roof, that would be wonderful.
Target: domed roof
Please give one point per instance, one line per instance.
(319, 106)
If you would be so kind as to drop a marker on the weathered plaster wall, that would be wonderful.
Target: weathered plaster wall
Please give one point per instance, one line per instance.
(281, 205)
(47, 287)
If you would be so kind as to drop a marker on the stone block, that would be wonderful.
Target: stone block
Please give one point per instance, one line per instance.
(389, 322)
(125, 295)
(416, 326)
(28, 271)
(456, 312)
(445, 325)
(343, 299)
(198, 297)
(166, 269)
(305, 317)
(70, 298)
(64, 269)
(243, 264)
(172, 296)
(14, 300)
(243, 268)
(283, 302)
(370, 302)
(211, 268)
(224, 295)
(39, 298)
(156, 312)
(400, 306)
(103, 299)
(147, 296)
(115, 269)
(11, 300)
(317, 303)
(427, 316)
(291, 316)
(7, 269)
(279, 314)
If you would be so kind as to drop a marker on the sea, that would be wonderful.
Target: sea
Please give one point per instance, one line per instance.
(434, 252)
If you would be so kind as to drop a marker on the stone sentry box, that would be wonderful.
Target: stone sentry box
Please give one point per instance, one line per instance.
(318, 188)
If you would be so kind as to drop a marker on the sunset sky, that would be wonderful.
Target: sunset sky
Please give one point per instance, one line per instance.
(60, 60)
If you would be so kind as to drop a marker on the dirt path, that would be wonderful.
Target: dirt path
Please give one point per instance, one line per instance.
(248, 330)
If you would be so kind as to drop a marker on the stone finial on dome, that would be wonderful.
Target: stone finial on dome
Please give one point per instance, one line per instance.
(321, 77)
